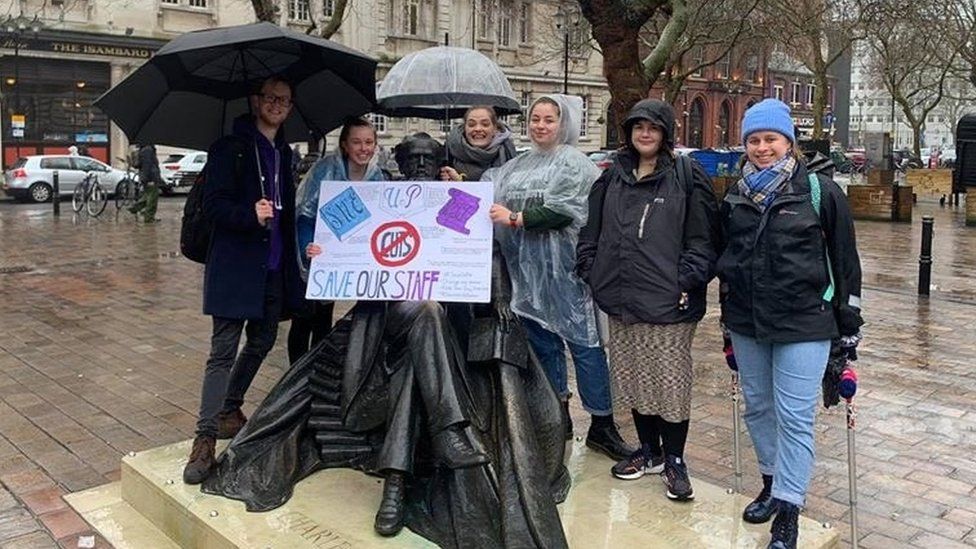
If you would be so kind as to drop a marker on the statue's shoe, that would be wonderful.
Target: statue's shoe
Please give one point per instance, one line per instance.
(453, 450)
(389, 517)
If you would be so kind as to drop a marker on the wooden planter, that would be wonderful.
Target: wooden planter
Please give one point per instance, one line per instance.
(880, 202)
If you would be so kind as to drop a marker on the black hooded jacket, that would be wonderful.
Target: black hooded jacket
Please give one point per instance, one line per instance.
(773, 266)
(647, 241)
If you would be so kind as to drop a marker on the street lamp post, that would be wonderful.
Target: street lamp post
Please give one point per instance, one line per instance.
(564, 18)
(15, 28)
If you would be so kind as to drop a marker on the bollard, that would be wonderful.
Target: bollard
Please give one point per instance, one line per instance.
(925, 258)
(56, 194)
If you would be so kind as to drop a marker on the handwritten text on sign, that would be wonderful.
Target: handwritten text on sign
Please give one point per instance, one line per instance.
(403, 241)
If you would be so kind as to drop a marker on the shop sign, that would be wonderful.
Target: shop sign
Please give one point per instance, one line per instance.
(17, 124)
(803, 121)
(79, 48)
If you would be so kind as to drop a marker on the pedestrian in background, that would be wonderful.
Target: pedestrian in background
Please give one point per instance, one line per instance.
(541, 205)
(647, 252)
(355, 160)
(150, 179)
(251, 277)
(478, 143)
(791, 282)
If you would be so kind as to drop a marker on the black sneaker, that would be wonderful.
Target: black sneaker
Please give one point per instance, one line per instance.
(785, 529)
(631, 468)
(675, 477)
(604, 437)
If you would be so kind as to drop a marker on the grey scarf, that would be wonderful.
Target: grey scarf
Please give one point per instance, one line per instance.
(473, 161)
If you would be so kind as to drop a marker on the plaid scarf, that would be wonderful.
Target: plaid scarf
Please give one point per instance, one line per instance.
(762, 186)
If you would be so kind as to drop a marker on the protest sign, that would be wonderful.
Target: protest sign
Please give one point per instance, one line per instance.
(403, 241)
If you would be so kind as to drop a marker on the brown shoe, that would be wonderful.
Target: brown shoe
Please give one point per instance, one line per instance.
(201, 462)
(229, 423)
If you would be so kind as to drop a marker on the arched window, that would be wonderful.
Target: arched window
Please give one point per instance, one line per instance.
(696, 123)
(724, 124)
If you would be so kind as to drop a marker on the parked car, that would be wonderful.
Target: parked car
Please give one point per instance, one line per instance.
(181, 173)
(602, 159)
(32, 177)
(169, 166)
(948, 157)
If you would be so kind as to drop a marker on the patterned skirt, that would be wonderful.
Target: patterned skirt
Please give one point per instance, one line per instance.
(650, 368)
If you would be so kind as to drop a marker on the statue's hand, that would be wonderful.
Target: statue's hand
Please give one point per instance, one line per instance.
(504, 315)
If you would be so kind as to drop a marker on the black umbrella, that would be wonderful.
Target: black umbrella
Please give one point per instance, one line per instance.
(188, 94)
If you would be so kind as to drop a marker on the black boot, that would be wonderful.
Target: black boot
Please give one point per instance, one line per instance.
(567, 421)
(785, 527)
(764, 506)
(389, 517)
(453, 450)
(603, 437)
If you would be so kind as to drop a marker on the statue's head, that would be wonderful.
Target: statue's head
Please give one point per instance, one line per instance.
(419, 157)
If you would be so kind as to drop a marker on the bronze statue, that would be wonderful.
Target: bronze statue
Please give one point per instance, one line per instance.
(444, 400)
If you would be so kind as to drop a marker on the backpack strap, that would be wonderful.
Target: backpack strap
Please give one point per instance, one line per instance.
(815, 199)
(685, 177)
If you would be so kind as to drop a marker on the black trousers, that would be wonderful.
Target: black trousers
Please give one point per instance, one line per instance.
(229, 373)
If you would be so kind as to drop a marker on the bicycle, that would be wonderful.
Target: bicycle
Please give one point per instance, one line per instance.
(129, 190)
(89, 194)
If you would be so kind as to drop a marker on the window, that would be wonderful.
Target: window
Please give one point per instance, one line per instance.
(484, 19)
(697, 59)
(411, 17)
(811, 92)
(505, 23)
(197, 3)
(585, 119)
(379, 122)
(56, 163)
(752, 68)
(170, 1)
(778, 91)
(328, 8)
(795, 93)
(526, 103)
(722, 67)
(298, 10)
(525, 22)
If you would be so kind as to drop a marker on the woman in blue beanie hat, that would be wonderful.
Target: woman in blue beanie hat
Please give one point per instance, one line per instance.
(790, 284)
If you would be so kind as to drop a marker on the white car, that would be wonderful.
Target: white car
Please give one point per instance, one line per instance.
(32, 177)
(179, 171)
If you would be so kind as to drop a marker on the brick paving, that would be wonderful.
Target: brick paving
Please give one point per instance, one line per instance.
(103, 345)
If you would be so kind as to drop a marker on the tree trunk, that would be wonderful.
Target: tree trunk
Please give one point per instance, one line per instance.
(622, 65)
(264, 10)
(819, 97)
(335, 22)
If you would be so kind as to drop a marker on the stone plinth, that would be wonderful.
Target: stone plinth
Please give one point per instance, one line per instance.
(334, 509)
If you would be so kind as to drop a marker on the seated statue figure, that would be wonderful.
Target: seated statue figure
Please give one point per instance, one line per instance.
(445, 401)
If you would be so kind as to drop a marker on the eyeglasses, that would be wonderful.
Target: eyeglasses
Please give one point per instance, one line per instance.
(269, 99)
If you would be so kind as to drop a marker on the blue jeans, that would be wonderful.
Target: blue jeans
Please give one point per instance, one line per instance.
(781, 385)
(592, 374)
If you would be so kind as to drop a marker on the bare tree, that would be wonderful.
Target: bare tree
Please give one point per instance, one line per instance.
(911, 58)
(959, 29)
(817, 33)
(269, 10)
(715, 28)
(617, 25)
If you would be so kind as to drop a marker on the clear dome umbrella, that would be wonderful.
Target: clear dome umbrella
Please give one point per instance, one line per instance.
(442, 82)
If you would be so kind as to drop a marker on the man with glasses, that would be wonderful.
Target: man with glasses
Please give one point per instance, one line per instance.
(251, 273)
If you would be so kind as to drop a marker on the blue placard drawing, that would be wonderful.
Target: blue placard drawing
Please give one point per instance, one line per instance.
(344, 212)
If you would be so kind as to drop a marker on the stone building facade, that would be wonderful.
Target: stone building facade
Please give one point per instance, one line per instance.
(58, 56)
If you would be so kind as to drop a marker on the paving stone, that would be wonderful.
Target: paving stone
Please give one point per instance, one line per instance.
(15, 523)
(64, 523)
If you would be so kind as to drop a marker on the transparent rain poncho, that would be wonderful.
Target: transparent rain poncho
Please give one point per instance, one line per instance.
(541, 263)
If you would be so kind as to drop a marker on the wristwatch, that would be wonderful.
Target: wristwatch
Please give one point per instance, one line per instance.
(513, 219)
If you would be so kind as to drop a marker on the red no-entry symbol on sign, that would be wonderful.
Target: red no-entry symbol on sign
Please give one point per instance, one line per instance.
(395, 244)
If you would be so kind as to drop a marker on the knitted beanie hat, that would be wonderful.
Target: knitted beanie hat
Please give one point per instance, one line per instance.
(768, 115)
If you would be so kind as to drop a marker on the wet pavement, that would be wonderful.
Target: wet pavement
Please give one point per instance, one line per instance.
(102, 349)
